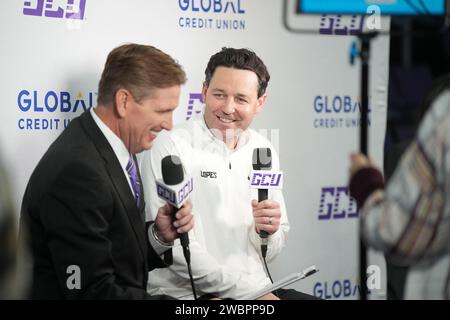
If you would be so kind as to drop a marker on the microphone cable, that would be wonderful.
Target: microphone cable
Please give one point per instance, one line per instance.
(264, 242)
(187, 257)
(267, 269)
(264, 253)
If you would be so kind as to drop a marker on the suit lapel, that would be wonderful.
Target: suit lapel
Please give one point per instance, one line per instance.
(118, 178)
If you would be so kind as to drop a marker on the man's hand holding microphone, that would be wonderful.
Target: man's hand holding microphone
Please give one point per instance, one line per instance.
(169, 222)
(267, 215)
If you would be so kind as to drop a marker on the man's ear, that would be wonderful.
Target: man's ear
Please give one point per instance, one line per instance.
(204, 89)
(121, 99)
(260, 102)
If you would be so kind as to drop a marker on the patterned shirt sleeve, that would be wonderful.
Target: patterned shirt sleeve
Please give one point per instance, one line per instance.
(410, 219)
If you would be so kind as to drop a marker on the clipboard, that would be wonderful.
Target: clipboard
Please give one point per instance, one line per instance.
(294, 277)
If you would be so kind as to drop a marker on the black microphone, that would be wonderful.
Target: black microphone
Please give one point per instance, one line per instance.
(262, 160)
(173, 174)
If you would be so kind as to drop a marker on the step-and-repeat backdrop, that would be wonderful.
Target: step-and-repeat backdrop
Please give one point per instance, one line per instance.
(52, 55)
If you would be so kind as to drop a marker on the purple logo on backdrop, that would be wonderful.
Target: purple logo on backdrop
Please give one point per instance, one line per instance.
(335, 203)
(336, 112)
(194, 97)
(338, 25)
(40, 105)
(206, 14)
(73, 9)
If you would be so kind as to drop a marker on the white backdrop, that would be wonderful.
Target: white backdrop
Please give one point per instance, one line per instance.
(52, 60)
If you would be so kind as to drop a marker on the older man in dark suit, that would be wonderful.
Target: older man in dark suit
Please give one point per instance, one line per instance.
(83, 209)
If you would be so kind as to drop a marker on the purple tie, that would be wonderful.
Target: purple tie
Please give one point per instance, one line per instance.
(134, 178)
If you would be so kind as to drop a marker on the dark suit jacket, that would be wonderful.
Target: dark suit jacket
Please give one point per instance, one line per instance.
(78, 210)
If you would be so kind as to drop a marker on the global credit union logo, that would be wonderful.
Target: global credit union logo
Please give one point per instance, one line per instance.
(212, 14)
(39, 110)
(73, 9)
(337, 289)
(348, 289)
(338, 111)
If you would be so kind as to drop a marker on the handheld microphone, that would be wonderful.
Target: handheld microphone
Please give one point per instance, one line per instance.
(174, 189)
(262, 160)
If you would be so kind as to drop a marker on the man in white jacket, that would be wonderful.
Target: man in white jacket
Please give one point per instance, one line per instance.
(216, 150)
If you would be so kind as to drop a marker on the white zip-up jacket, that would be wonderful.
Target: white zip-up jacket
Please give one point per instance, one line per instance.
(224, 245)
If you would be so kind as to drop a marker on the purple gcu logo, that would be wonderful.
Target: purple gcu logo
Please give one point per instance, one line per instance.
(266, 179)
(334, 25)
(166, 193)
(192, 98)
(186, 190)
(177, 194)
(71, 11)
(335, 203)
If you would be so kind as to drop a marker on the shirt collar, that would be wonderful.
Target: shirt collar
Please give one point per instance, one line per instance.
(116, 143)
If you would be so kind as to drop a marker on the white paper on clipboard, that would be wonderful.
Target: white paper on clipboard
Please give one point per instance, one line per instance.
(294, 277)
